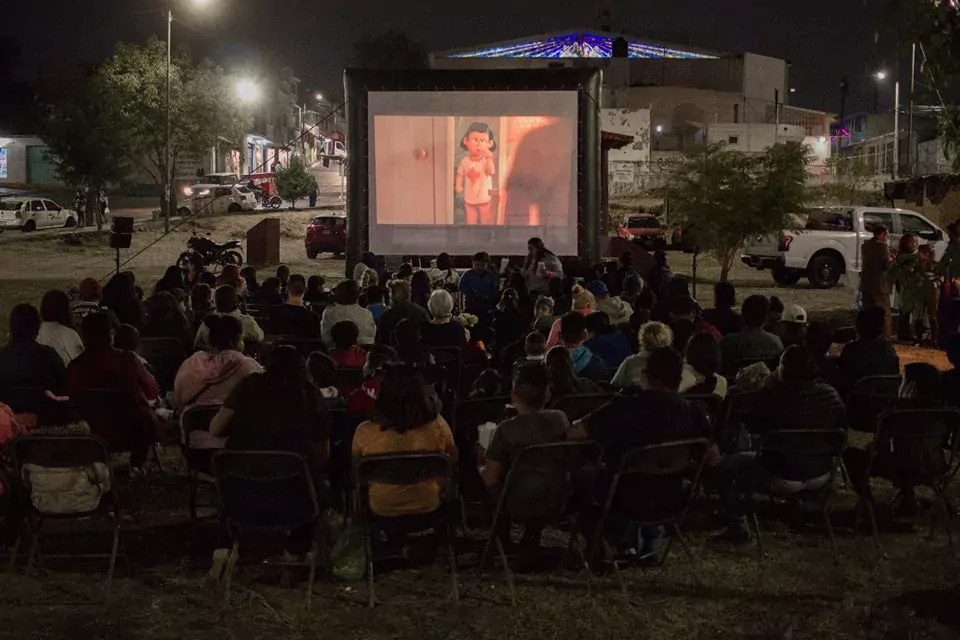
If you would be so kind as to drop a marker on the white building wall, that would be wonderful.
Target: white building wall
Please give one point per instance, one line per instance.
(627, 166)
(16, 152)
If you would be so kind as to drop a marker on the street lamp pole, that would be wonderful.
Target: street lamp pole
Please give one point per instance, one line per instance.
(167, 173)
(896, 130)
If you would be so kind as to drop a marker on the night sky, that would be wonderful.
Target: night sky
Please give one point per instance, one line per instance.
(822, 38)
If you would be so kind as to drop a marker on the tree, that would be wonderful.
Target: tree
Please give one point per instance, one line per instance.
(295, 182)
(728, 196)
(852, 179)
(87, 137)
(388, 50)
(203, 108)
(935, 26)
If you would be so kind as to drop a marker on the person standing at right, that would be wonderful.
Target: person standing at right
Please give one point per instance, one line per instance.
(873, 281)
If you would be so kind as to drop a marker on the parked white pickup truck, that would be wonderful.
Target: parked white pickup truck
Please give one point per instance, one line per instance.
(825, 244)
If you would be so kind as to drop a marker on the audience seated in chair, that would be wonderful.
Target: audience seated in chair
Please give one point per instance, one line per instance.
(584, 304)
(316, 295)
(91, 301)
(346, 352)
(24, 362)
(57, 329)
(701, 369)
(564, 381)
(794, 399)
(871, 354)
(408, 345)
(752, 342)
(603, 339)
(586, 364)
(293, 318)
(103, 367)
(443, 330)
(406, 419)
(227, 302)
(375, 304)
(480, 287)
(167, 318)
(322, 370)
(361, 400)
(651, 336)
(400, 309)
(268, 294)
(532, 426)
(208, 378)
(818, 339)
(345, 307)
(685, 321)
(723, 315)
(653, 415)
(921, 389)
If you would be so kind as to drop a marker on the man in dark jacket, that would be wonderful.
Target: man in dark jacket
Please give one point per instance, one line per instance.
(874, 287)
(586, 364)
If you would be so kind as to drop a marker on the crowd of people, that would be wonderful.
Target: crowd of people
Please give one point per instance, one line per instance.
(532, 334)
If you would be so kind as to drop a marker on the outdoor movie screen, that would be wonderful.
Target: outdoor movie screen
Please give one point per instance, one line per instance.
(464, 171)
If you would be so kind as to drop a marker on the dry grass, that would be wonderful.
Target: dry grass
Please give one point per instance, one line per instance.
(796, 592)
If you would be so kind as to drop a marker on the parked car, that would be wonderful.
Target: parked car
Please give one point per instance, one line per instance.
(30, 214)
(220, 199)
(824, 244)
(644, 229)
(326, 234)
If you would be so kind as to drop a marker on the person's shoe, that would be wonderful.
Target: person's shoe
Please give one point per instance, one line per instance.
(734, 536)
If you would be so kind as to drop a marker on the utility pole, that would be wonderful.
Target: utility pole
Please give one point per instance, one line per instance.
(913, 87)
(896, 130)
(168, 173)
(776, 112)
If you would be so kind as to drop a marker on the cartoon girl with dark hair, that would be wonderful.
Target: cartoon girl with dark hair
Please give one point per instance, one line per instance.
(475, 173)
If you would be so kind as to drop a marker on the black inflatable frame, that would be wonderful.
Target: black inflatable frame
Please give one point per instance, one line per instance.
(587, 82)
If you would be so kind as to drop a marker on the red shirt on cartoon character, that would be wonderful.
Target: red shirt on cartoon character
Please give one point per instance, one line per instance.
(475, 173)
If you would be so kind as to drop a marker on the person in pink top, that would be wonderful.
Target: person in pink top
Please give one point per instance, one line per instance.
(583, 303)
(207, 378)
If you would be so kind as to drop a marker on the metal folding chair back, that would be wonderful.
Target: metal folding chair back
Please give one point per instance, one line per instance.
(265, 490)
(710, 403)
(869, 397)
(576, 407)
(198, 460)
(452, 359)
(406, 469)
(85, 453)
(654, 485)
(164, 355)
(436, 375)
(734, 413)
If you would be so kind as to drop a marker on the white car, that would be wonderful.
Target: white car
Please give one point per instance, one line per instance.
(219, 199)
(30, 214)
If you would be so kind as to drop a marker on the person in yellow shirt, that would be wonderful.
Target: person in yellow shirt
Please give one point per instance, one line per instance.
(406, 420)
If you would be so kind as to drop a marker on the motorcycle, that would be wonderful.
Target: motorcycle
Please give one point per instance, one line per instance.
(211, 252)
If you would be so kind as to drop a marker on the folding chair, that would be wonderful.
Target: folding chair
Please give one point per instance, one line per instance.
(85, 453)
(539, 488)
(661, 481)
(710, 404)
(730, 434)
(800, 455)
(437, 376)
(405, 469)
(164, 355)
(925, 455)
(198, 460)
(266, 492)
(870, 397)
(452, 359)
(579, 406)
(468, 375)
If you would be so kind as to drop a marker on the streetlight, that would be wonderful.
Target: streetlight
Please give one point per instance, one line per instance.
(168, 172)
(319, 97)
(881, 76)
(248, 91)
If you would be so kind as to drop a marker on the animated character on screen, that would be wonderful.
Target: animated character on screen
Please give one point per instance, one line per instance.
(475, 173)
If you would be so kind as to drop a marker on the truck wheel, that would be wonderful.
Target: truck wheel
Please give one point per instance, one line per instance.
(786, 277)
(234, 208)
(824, 271)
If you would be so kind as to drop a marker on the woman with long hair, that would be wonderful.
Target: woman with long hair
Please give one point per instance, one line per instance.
(564, 381)
(406, 419)
(172, 279)
(540, 266)
(120, 296)
(57, 328)
(167, 318)
(443, 274)
(420, 289)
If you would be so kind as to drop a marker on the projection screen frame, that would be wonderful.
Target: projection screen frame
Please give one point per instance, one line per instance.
(358, 83)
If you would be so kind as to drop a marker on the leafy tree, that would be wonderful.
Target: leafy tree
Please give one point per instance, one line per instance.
(935, 26)
(388, 50)
(295, 182)
(203, 108)
(87, 137)
(852, 181)
(728, 196)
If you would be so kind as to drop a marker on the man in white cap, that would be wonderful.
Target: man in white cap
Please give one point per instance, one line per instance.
(794, 325)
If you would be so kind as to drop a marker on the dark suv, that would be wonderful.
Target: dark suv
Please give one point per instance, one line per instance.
(326, 234)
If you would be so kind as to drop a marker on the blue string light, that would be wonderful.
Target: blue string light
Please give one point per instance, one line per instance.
(579, 45)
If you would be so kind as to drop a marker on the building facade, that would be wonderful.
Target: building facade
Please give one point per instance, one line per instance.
(24, 161)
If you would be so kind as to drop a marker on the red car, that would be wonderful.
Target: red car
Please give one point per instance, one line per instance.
(644, 229)
(326, 233)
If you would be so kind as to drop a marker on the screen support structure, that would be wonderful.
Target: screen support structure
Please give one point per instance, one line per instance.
(586, 82)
